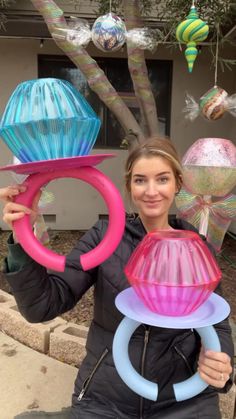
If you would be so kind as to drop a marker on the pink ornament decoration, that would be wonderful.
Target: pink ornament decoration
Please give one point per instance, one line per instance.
(172, 272)
(209, 169)
(172, 275)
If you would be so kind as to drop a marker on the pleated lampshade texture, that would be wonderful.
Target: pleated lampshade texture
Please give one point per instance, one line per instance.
(48, 119)
(173, 272)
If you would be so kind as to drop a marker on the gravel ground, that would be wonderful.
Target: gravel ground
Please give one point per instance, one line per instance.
(63, 241)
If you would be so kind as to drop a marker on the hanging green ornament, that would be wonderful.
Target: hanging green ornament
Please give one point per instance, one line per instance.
(192, 31)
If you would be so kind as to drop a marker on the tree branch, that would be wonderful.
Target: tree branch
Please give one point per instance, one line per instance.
(138, 70)
(96, 78)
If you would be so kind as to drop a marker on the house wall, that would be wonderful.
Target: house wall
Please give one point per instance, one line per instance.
(83, 9)
(79, 205)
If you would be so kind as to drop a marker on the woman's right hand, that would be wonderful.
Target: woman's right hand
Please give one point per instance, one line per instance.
(13, 211)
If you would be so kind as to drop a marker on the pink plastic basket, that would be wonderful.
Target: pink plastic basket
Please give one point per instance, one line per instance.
(173, 272)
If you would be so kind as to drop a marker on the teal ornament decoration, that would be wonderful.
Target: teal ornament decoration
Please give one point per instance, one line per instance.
(48, 119)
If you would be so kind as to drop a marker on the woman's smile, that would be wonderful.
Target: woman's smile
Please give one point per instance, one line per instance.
(153, 203)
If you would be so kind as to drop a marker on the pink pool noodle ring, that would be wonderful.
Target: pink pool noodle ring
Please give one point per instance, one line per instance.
(103, 250)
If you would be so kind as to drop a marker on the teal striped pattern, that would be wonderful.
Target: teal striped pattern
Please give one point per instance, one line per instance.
(191, 54)
(48, 119)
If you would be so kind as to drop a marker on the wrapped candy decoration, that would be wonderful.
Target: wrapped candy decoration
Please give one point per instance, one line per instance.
(191, 31)
(108, 32)
(77, 33)
(48, 119)
(144, 38)
(209, 169)
(212, 105)
(105, 37)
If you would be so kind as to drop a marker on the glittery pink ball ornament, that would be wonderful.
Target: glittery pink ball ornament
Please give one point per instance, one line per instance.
(209, 167)
(172, 272)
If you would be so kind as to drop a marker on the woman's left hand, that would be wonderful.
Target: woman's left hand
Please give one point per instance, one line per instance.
(214, 367)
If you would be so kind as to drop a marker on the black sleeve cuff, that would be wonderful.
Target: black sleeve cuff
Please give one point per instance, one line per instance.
(16, 259)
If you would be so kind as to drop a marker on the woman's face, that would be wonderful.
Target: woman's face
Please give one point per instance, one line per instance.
(153, 187)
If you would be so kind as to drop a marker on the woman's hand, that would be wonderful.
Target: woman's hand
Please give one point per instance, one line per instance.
(8, 193)
(214, 367)
(13, 211)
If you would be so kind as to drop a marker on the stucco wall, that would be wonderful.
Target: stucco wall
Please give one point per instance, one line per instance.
(79, 205)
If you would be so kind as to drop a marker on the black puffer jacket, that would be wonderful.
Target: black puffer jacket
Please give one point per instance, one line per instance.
(165, 356)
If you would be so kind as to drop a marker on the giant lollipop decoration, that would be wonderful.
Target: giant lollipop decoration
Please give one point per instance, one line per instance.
(192, 31)
(51, 129)
(209, 169)
(173, 275)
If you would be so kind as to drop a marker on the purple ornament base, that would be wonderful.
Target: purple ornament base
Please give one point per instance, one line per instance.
(214, 310)
(56, 164)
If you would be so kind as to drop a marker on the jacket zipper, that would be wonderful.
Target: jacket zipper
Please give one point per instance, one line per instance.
(181, 354)
(146, 340)
(89, 378)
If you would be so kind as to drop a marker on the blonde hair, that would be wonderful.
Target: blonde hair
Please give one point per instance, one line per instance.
(154, 147)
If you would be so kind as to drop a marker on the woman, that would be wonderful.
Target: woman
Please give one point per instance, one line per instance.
(166, 356)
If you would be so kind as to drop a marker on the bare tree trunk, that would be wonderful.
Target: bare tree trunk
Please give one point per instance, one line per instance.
(96, 78)
(138, 70)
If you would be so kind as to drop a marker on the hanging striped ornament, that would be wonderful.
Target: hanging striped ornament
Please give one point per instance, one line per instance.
(192, 31)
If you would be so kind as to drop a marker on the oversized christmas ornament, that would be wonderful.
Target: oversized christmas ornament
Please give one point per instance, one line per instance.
(172, 275)
(192, 31)
(209, 170)
(209, 167)
(159, 274)
(109, 32)
(48, 119)
(212, 105)
(50, 127)
(110, 38)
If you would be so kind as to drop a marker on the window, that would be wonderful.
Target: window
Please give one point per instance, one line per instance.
(116, 70)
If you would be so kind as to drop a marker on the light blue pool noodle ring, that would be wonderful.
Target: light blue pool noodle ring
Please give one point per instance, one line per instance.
(195, 385)
(184, 390)
(126, 371)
